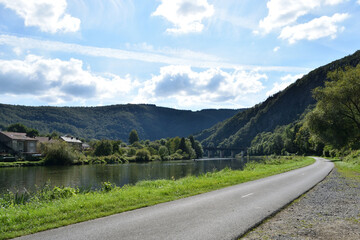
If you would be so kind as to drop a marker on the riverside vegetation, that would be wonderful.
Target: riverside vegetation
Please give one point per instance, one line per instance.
(49, 207)
(58, 152)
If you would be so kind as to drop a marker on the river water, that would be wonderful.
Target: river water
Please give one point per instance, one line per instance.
(91, 176)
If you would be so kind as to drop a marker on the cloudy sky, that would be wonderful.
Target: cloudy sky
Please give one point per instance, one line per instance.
(186, 54)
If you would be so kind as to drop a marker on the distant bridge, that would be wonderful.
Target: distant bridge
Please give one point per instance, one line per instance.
(223, 151)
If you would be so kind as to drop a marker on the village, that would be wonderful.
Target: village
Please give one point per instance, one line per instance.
(17, 144)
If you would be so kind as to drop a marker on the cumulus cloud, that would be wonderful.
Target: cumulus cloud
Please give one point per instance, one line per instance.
(48, 15)
(189, 87)
(284, 83)
(317, 28)
(58, 81)
(185, 15)
(285, 14)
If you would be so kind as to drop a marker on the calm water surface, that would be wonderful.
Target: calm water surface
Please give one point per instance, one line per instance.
(91, 176)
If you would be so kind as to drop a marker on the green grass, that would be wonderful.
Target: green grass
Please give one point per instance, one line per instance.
(22, 163)
(348, 169)
(21, 219)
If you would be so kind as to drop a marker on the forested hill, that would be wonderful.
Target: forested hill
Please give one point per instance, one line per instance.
(281, 109)
(113, 122)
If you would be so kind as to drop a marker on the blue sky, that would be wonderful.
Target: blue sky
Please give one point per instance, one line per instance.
(185, 54)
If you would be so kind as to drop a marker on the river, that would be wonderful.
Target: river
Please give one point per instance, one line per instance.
(91, 176)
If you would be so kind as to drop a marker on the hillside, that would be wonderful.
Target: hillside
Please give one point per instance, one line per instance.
(281, 109)
(113, 122)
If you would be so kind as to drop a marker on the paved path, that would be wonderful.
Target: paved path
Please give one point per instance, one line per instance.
(221, 214)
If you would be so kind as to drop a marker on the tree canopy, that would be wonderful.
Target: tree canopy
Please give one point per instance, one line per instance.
(133, 136)
(18, 127)
(336, 117)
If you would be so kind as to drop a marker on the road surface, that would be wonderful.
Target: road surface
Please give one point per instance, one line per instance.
(223, 214)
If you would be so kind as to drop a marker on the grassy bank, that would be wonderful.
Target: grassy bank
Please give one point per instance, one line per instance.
(64, 206)
(22, 164)
(349, 165)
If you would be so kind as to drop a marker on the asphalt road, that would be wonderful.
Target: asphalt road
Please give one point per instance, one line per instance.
(223, 214)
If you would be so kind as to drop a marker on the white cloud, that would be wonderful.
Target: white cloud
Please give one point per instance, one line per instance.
(284, 83)
(48, 15)
(317, 28)
(199, 60)
(285, 12)
(276, 49)
(286, 16)
(187, 87)
(56, 81)
(185, 15)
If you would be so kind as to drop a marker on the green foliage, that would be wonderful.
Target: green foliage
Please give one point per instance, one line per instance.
(163, 152)
(142, 155)
(113, 122)
(103, 148)
(18, 127)
(133, 136)
(107, 186)
(336, 117)
(280, 109)
(58, 153)
(35, 216)
(293, 138)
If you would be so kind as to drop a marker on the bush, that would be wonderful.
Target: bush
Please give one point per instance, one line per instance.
(58, 153)
(142, 155)
(103, 148)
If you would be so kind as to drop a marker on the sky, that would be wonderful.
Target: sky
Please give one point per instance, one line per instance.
(184, 54)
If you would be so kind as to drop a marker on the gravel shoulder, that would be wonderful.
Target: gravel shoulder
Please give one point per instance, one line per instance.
(331, 210)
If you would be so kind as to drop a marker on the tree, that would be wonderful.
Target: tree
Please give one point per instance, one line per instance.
(20, 128)
(32, 133)
(182, 145)
(336, 117)
(198, 149)
(163, 152)
(103, 148)
(142, 155)
(133, 136)
(17, 127)
(58, 153)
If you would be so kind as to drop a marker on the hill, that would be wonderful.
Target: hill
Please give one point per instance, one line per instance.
(113, 122)
(280, 109)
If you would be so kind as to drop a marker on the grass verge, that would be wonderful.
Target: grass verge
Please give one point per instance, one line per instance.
(348, 169)
(39, 215)
(22, 163)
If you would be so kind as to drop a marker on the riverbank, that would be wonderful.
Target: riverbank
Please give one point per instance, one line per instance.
(37, 215)
(329, 211)
(22, 164)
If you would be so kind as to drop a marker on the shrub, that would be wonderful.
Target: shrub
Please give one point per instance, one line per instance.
(107, 186)
(103, 148)
(142, 155)
(58, 153)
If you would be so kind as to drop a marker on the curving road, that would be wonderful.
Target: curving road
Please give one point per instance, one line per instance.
(223, 214)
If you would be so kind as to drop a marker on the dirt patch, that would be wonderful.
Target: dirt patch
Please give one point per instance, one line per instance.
(331, 210)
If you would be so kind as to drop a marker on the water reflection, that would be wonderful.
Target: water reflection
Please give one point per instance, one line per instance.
(91, 176)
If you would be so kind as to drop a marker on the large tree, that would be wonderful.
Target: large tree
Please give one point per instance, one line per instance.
(133, 136)
(336, 117)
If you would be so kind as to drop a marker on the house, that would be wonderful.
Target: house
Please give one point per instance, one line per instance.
(18, 143)
(75, 142)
